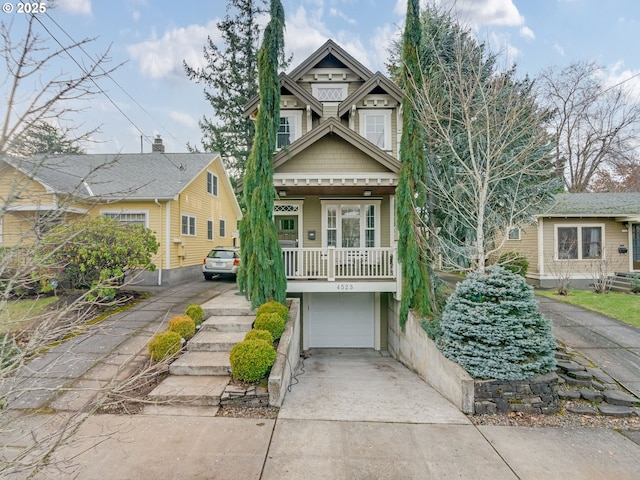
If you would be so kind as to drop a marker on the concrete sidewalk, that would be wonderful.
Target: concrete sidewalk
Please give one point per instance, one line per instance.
(611, 345)
(352, 414)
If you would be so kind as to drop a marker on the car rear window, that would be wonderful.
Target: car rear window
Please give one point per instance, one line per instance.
(220, 254)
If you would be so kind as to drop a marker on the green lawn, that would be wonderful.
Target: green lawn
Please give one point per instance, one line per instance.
(621, 306)
(19, 313)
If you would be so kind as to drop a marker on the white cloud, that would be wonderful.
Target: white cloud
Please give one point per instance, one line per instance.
(75, 7)
(334, 12)
(616, 75)
(527, 33)
(559, 49)
(162, 57)
(183, 119)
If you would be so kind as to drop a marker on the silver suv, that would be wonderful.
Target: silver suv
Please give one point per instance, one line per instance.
(221, 261)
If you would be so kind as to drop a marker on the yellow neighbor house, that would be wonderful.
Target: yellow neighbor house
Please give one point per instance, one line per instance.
(186, 199)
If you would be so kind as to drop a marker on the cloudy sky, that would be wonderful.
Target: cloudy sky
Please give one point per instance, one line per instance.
(150, 94)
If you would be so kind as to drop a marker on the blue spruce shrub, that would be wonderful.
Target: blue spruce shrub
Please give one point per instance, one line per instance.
(491, 326)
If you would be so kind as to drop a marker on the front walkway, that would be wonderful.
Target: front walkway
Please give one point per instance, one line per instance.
(611, 345)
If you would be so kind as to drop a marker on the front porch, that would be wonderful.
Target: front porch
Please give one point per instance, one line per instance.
(341, 269)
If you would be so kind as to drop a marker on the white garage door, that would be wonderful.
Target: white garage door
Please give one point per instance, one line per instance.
(341, 320)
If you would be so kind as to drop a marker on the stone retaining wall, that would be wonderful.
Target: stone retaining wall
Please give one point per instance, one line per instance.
(288, 356)
(537, 395)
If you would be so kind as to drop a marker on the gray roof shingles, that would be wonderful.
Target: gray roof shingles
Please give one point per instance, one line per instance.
(116, 176)
(595, 204)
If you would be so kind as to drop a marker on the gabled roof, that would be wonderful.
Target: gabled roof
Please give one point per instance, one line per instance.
(377, 80)
(594, 205)
(145, 176)
(287, 82)
(330, 48)
(332, 126)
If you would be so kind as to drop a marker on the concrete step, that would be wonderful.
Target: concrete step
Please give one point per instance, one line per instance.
(233, 323)
(212, 341)
(229, 303)
(193, 391)
(201, 363)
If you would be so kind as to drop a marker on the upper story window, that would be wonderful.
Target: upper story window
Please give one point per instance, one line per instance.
(290, 128)
(212, 184)
(375, 126)
(351, 224)
(330, 92)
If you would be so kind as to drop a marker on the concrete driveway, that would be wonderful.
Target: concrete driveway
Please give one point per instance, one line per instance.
(359, 414)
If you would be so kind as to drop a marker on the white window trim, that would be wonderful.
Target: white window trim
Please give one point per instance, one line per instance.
(213, 229)
(315, 87)
(216, 183)
(128, 212)
(579, 226)
(195, 225)
(518, 237)
(363, 219)
(295, 123)
(364, 113)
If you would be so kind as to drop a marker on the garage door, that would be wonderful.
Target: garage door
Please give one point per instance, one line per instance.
(341, 320)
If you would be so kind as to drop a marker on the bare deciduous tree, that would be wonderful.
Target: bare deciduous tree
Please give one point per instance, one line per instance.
(595, 125)
(487, 152)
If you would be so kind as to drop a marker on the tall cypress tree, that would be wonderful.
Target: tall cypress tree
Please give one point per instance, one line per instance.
(261, 275)
(411, 192)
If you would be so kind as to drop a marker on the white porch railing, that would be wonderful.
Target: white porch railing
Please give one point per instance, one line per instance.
(333, 263)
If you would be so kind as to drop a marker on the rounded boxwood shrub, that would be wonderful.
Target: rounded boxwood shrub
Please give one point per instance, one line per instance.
(514, 262)
(182, 325)
(164, 345)
(196, 312)
(491, 326)
(272, 322)
(255, 334)
(273, 307)
(251, 360)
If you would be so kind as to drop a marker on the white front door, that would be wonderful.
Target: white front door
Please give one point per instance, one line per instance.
(341, 320)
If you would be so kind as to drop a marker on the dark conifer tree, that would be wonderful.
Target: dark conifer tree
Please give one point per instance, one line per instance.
(261, 275)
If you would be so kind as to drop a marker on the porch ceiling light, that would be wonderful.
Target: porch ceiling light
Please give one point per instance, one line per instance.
(282, 193)
(367, 193)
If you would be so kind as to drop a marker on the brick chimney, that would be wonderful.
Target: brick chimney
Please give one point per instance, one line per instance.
(157, 145)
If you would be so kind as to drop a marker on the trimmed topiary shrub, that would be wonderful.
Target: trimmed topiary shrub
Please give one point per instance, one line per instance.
(255, 334)
(272, 322)
(164, 345)
(251, 360)
(273, 307)
(491, 326)
(182, 325)
(196, 312)
(514, 262)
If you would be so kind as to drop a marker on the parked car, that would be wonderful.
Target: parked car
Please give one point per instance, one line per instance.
(221, 261)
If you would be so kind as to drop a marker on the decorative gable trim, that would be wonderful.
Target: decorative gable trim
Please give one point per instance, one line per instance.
(330, 47)
(287, 82)
(333, 126)
(377, 80)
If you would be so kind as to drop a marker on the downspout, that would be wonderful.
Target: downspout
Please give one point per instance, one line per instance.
(160, 269)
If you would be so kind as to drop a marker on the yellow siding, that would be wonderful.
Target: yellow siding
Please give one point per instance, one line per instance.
(329, 156)
(527, 245)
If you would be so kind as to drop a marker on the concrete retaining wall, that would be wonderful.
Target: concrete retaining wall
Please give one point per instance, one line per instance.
(288, 357)
(416, 350)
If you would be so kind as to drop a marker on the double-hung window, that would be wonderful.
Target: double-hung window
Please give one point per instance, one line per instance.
(212, 184)
(351, 224)
(290, 128)
(209, 229)
(188, 225)
(579, 242)
(222, 229)
(375, 126)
